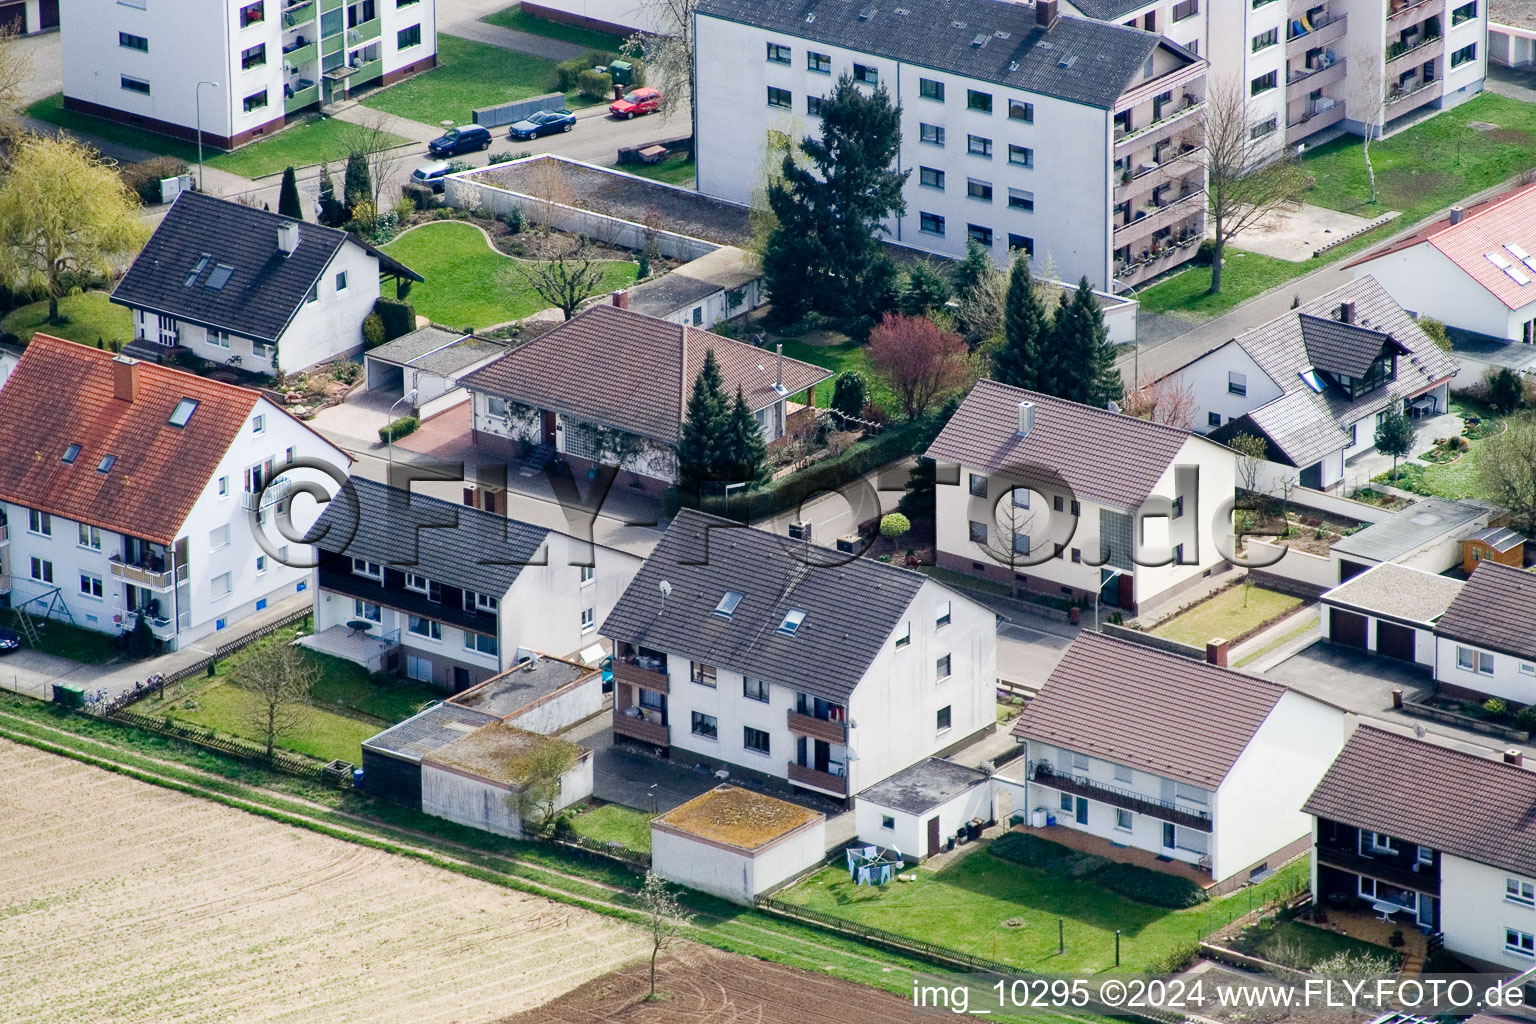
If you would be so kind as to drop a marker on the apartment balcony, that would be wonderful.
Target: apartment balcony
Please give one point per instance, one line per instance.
(1426, 880)
(1311, 79)
(1412, 98)
(1164, 128)
(305, 96)
(302, 54)
(636, 674)
(275, 492)
(1163, 810)
(326, 6)
(826, 782)
(818, 728)
(298, 14)
(1401, 59)
(1324, 33)
(1403, 15)
(5, 535)
(366, 32)
(330, 45)
(147, 576)
(362, 74)
(1152, 218)
(5, 583)
(1308, 124)
(162, 628)
(1150, 176)
(640, 729)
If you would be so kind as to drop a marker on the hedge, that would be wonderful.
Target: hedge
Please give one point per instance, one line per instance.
(398, 315)
(144, 178)
(1147, 886)
(402, 427)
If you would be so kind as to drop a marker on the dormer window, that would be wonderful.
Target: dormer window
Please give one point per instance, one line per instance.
(792, 620)
(727, 606)
(70, 455)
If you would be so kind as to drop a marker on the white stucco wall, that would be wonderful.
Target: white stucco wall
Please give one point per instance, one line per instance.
(1207, 378)
(1422, 279)
(543, 609)
(1513, 679)
(1423, 636)
(733, 874)
(909, 832)
(1474, 913)
(480, 803)
(564, 709)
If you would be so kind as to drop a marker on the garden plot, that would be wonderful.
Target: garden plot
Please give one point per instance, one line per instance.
(126, 902)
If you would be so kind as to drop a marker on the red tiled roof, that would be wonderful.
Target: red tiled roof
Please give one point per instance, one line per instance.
(62, 394)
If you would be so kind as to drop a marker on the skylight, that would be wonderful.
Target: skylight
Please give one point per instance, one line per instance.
(70, 454)
(106, 464)
(791, 623)
(184, 410)
(728, 603)
(220, 276)
(1517, 252)
(1310, 378)
(201, 266)
(1509, 269)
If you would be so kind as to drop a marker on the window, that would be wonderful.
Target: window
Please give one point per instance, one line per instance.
(1018, 199)
(42, 570)
(1527, 669)
(588, 620)
(250, 14)
(792, 620)
(1466, 12)
(701, 673)
(979, 234)
(255, 101)
(931, 134)
(1065, 802)
(367, 610)
(1021, 156)
(133, 42)
(1123, 773)
(341, 281)
(755, 740)
(255, 57)
(314, 294)
(981, 190)
(588, 574)
(821, 63)
(1018, 110)
(728, 602)
(979, 485)
(754, 689)
(405, 3)
(928, 89)
(705, 725)
(778, 54)
(1260, 3)
(408, 37)
(137, 85)
(1469, 660)
(90, 586)
(221, 585)
(978, 532)
(218, 538)
(780, 97)
(930, 223)
(981, 101)
(1021, 243)
(261, 564)
(1193, 794)
(106, 463)
(1213, 419)
(70, 455)
(943, 719)
(941, 668)
(429, 628)
(1519, 943)
(372, 570)
(904, 634)
(1123, 819)
(420, 584)
(218, 339)
(1264, 40)
(481, 643)
(1021, 543)
(1376, 842)
(887, 822)
(1517, 890)
(1425, 855)
(978, 146)
(1058, 504)
(942, 619)
(866, 75)
(1263, 83)
(1186, 9)
(813, 105)
(930, 177)
(480, 602)
(1178, 555)
(1237, 383)
(90, 537)
(1177, 510)
(1264, 128)
(1462, 56)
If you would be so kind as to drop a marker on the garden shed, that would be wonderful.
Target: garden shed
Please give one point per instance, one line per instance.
(736, 843)
(392, 759)
(1390, 609)
(477, 779)
(920, 809)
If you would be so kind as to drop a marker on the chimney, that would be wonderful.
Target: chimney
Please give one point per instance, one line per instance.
(1046, 14)
(1347, 311)
(1026, 418)
(778, 367)
(1514, 757)
(1456, 214)
(125, 378)
(621, 298)
(1216, 651)
(288, 238)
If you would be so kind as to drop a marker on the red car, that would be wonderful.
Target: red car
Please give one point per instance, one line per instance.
(636, 101)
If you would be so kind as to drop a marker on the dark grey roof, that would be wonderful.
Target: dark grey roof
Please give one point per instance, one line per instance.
(1341, 348)
(428, 730)
(1495, 611)
(453, 544)
(266, 288)
(437, 351)
(1079, 60)
(924, 786)
(852, 606)
(516, 688)
(1514, 13)
(1411, 528)
(1109, 10)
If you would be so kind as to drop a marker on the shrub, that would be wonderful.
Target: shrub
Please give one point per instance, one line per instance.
(1496, 707)
(1029, 850)
(568, 72)
(594, 86)
(1175, 960)
(421, 196)
(1081, 865)
(144, 177)
(849, 393)
(1525, 719)
(1154, 887)
(402, 427)
(1505, 391)
(1436, 331)
(894, 525)
(397, 316)
(515, 220)
(499, 158)
(373, 330)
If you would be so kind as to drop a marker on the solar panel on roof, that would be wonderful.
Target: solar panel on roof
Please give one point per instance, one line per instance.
(1517, 252)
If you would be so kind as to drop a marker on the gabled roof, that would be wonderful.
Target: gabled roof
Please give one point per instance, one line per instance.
(1079, 60)
(1449, 800)
(1162, 713)
(619, 368)
(215, 262)
(62, 394)
(1496, 610)
(450, 543)
(1103, 456)
(851, 605)
(1108, 10)
(1341, 348)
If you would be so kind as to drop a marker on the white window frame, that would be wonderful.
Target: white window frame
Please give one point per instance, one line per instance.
(588, 619)
(367, 610)
(417, 583)
(368, 570)
(222, 585)
(91, 585)
(943, 667)
(1124, 820)
(1524, 944)
(219, 538)
(433, 630)
(90, 537)
(39, 523)
(945, 615)
(1519, 891)
(588, 574)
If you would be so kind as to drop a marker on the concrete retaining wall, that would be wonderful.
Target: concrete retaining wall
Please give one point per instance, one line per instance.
(1136, 636)
(510, 113)
(1339, 506)
(1313, 572)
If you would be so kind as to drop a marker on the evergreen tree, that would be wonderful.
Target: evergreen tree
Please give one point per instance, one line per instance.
(357, 184)
(703, 446)
(926, 291)
(288, 203)
(1394, 436)
(1082, 367)
(1025, 331)
(849, 393)
(747, 452)
(969, 272)
(332, 214)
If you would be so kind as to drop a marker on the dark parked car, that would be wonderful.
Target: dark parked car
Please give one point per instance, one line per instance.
(10, 640)
(432, 175)
(463, 139)
(544, 122)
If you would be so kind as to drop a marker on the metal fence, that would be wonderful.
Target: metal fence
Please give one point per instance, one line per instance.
(288, 764)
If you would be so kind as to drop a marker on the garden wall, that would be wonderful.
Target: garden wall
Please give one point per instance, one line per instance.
(1157, 643)
(1314, 572)
(1338, 505)
(510, 113)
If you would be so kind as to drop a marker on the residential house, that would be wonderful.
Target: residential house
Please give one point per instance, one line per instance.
(133, 490)
(611, 386)
(921, 809)
(1314, 382)
(235, 70)
(1429, 534)
(1391, 609)
(1058, 498)
(1484, 643)
(420, 371)
(233, 284)
(1473, 270)
(1022, 129)
(1433, 837)
(1511, 33)
(736, 645)
(715, 287)
(456, 592)
(1181, 758)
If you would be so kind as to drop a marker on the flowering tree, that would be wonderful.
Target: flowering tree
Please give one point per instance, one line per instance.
(922, 361)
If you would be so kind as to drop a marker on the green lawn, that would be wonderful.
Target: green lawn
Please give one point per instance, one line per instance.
(838, 358)
(300, 145)
(969, 905)
(1230, 614)
(674, 170)
(612, 823)
(468, 75)
(1454, 480)
(91, 317)
(1301, 945)
(1244, 275)
(468, 283)
(66, 641)
(514, 18)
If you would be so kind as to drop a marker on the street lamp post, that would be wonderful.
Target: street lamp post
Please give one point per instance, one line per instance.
(389, 435)
(197, 102)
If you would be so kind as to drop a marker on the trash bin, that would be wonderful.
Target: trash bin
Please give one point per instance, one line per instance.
(1038, 818)
(974, 829)
(1050, 821)
(623, 72)
(357, 778)
(69, 696)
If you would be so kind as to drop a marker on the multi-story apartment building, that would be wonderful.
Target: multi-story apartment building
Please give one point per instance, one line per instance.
(237, 67)
(798, 662)
(28, 17)
(128, 490)
(1064, 137)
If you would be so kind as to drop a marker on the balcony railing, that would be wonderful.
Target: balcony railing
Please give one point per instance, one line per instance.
(653, 733)
(626, 671)
(825, 781)
(1150, 176)
(818, 728)
(361, 34)
(274, 492)
(5, 534)
(1425, 880)
(1046, 775)
(162, 627)
(299, 14)
(1299, 129)
(1419, 9)
(1309, 79)
(1329, 30)
(1396, 51)
(1123, 140)
(1410, 99)
(365, 73)
(301, 98)
(142, 575)
(301, 55)
(1161, 216)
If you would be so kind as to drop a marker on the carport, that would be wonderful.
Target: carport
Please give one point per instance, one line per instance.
(1390, 610)
(422, 369)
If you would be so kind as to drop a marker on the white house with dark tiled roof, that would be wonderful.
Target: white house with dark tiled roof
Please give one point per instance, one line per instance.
(1057, 498)
(1485, 643)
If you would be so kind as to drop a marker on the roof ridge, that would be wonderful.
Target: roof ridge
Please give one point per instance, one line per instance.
(429, 499)
(1230, 673)
(240, 209)
(1456, 753)
(1038, 396)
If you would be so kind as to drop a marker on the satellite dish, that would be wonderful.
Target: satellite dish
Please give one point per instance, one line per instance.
(665, 588)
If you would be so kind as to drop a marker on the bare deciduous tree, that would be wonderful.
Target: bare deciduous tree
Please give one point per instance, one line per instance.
(1242, 188)
(1507, 470)
(547, 181)
(669, 52)
(1375, 88)
(1252, 451)
(279, 679)
(15, 70)
(566, 271)
(381, 150)
(1162, 400)
(665, 919)
(1010, 529)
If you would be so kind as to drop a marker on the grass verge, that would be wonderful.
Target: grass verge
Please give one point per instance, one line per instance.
(612, 823)
(518, 20)
(468, 75)
(90, 316)
(673, 170)
(66, 641)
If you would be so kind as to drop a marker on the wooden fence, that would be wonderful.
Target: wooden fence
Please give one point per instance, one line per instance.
(282, 761)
